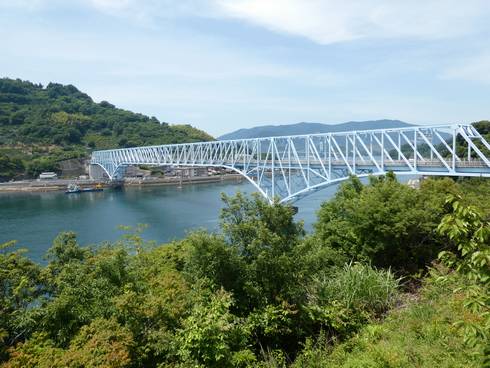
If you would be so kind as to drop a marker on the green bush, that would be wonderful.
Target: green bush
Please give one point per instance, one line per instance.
(39, 165)
(420, 333)
(211, 335)
(20, 286)
(357, 286)
(267, 238)
(385, 223)
(9, 167)
(470, 232)
(102, 343)
(344, 300)
(259, 294)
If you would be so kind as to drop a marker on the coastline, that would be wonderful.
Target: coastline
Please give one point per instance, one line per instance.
(61, 184)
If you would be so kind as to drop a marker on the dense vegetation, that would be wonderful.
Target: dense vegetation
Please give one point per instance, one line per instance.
(422, 332)
(40, 126)
(262, 293)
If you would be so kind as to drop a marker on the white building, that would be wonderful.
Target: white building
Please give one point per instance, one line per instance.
(49, 175)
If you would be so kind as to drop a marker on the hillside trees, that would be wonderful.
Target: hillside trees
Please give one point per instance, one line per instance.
(33, 116)
(260, 292)
(385, 223)
(20, 285)
(9, 167)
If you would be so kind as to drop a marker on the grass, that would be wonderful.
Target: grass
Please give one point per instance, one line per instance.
(420, 334)
(357, 286)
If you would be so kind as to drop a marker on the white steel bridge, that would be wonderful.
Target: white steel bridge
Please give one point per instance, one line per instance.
(289, 167)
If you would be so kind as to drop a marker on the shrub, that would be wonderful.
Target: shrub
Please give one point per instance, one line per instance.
(211, 335)
(102, 343)
(358, 286)
(421, 334)
(19, 288)
(470, 232)
(346, 299)
(266, 237)
(385, 223)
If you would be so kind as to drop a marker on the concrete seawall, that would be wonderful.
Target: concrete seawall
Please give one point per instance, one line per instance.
(61, 184)
(183, 181)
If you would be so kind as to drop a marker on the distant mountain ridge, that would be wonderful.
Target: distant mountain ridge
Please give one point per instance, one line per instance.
(312, 128)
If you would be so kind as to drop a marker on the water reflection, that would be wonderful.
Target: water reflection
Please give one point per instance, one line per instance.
(34, 219)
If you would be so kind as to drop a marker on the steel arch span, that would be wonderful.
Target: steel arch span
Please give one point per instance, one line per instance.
(290, 167)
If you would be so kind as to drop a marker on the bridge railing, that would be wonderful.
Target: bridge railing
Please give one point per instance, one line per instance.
(291, 166)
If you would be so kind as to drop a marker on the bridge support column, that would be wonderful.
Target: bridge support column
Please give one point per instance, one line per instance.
(96, 172)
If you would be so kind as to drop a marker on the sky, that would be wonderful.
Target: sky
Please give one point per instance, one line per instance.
(222, 65)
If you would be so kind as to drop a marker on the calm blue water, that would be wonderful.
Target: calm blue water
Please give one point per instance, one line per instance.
(34, 219)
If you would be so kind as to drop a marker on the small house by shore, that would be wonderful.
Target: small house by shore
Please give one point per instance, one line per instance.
(48, 175)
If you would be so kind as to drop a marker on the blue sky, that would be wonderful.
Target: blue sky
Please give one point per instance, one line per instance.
(222, 65)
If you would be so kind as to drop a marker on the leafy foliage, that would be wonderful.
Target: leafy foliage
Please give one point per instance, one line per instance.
(9, 167)
(259, 293)
(386, 223)
(421, 333)
(466, 227)
(40, 126)
(211, 335)
(102, 343)
(19, 286)
(265, 236)
(357, 286)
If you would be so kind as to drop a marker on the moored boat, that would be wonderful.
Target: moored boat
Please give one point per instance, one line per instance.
(73, 188)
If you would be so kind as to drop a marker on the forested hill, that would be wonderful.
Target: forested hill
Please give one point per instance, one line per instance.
(39, 126)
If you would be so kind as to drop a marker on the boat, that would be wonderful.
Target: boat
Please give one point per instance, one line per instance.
(73, 188)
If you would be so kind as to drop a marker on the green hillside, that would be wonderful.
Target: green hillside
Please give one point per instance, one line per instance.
(422, 332)
(42, 125)
(389, 277)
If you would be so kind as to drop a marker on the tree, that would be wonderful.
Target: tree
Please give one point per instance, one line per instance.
(211, 335)
(20, 285)
(266, 237)
(386, 223)
(466, 228)
(9, 167)
(101, 344)
(210, 257)
(37, 166)
(33, 118)
(82, 284)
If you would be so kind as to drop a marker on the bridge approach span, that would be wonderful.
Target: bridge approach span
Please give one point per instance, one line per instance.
(290, 167)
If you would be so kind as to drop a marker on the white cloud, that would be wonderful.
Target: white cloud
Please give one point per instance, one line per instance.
(474, 69)
(330, 21)
(322, 21)
(149, 12)
(30, 5)
(111, 5)
(213, 72)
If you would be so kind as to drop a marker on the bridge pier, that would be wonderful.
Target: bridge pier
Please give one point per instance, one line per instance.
(97, 173)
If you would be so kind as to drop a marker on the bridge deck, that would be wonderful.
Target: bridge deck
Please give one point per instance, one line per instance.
(289, 167)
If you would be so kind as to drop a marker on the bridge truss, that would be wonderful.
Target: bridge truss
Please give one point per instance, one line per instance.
(290, 167)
